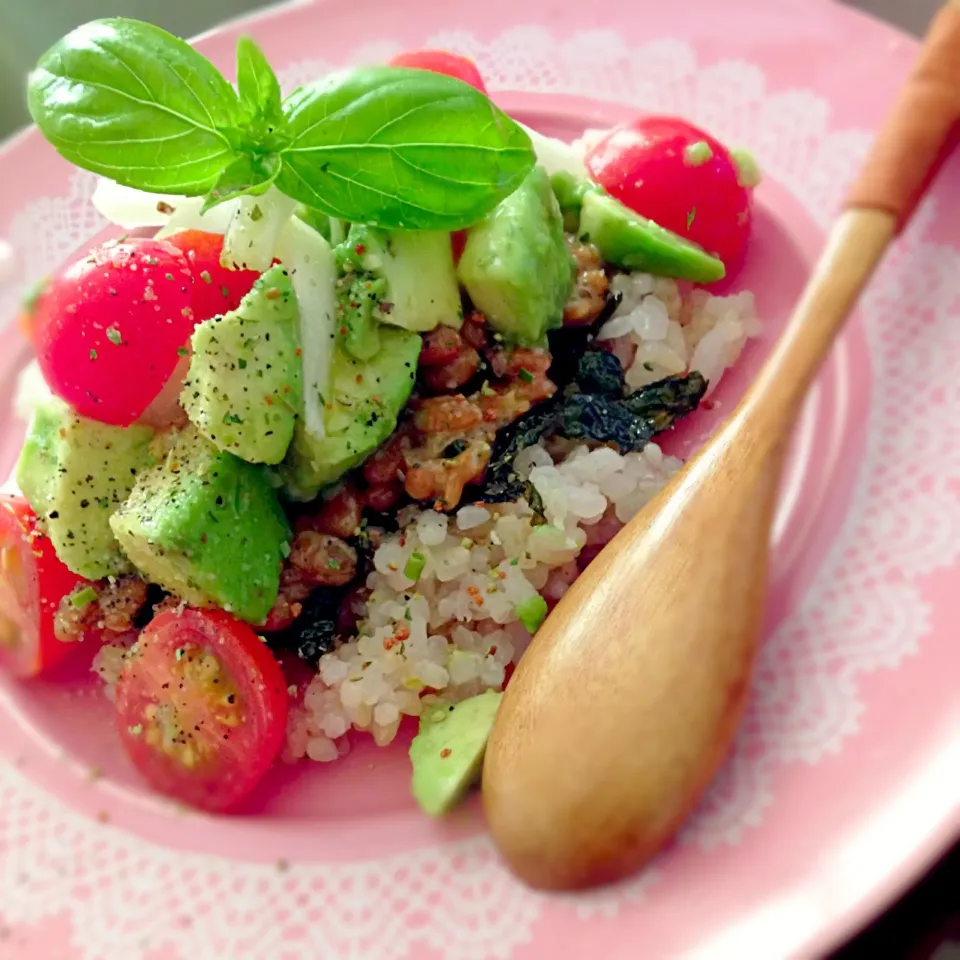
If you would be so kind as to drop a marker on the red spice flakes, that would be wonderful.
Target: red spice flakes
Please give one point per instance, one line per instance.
(268, 399)
(343, 331)
(360, 249)
(286, 389)
(475, 595)
(445, 752)
(359, 378)
(298, 352)
(492, 650)
(403, 633)
(273, 293)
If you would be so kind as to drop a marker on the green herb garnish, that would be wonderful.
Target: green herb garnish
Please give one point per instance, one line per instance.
(415, 564)
(114, 336)
(532, 612)
(401, 148)
(83, 598)
(525, 375)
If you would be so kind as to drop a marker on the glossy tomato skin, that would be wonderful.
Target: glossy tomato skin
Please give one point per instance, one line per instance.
(216, 290)
(440, 61)
(202, 708)
(110, 327)
(33, 582)
(681, 178)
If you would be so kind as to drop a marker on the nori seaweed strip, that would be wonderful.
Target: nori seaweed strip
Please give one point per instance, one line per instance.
(627, 424)
(569, 344)
(666, 401)
(501, 483)
(587, 416)
(600, 372)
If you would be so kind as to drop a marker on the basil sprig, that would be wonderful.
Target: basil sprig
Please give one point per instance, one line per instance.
(400, 148)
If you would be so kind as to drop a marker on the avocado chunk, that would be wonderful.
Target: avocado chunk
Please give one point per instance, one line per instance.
(516, 265)
(447, 752)
(76, 472)
(398, 277)
(570, 191)
(366, 398)
(632, 242)
(243, 390)
(207, 526)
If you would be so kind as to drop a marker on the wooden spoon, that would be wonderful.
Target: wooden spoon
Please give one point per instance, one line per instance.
(627, 701)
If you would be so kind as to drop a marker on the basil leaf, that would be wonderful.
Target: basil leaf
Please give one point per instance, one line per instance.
(130, 101)
(246, 176)
(257, 84)
(401, 149)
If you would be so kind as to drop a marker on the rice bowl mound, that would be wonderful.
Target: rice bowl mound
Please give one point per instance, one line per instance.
(455, 631)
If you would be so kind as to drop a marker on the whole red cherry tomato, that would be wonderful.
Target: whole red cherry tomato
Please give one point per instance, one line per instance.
(110, 328)
(439, 61)
(681, 178)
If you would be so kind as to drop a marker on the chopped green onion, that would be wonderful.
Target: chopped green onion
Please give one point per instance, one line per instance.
(114, 336)
(525, 375)
(93, 354)
(532, 612)
(83, 598)
(415, 565)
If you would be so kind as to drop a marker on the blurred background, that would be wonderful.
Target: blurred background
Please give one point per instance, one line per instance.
(28, 27)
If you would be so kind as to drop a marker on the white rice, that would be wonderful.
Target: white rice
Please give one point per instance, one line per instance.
(674, 334)
(453, 632)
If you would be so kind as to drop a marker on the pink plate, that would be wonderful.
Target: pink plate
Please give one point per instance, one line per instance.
(838, 792)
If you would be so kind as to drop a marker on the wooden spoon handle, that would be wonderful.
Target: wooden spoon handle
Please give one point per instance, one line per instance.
(920, 131)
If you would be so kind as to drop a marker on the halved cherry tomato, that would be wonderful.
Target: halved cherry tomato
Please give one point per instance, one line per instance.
(681, 178)
(216, 290)
(109, 329)
(202, 707)
(440, 61)
(33, 582)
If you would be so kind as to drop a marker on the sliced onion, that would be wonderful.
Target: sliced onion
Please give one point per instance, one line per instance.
(134, 209)
(251, 239)
(131, 208)
(557, 156)
(313, 273)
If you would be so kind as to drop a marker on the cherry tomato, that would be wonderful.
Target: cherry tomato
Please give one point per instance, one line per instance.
(458, 240)
(216, 290)
(33, 582)
(202, 708)
(110, 328)
(439, 61)
(681, 178)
